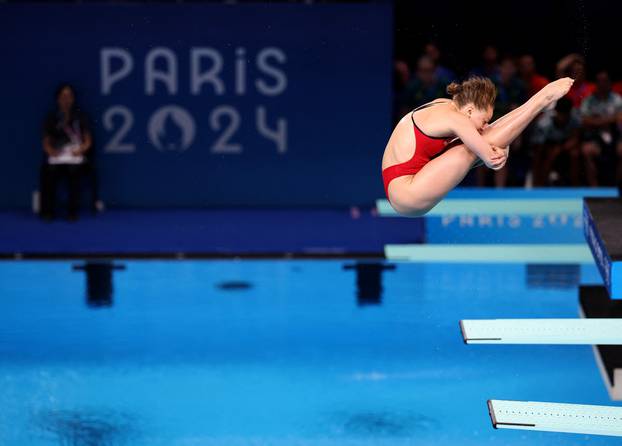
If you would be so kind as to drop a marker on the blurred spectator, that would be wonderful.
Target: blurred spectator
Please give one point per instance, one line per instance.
(510, 94)
(66, 141)
(401, 76)
(600, 113)
(425, 86)
(444, 74)
(510, 89)
(533, 81)
(490, 65)
(573, 65)
(556, 138)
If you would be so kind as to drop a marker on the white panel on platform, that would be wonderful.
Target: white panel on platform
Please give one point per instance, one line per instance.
(556, 417)
(543, 331)
(506, 253)
(495, 206)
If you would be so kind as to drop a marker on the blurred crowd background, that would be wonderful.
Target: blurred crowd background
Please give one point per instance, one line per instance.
(577, 143)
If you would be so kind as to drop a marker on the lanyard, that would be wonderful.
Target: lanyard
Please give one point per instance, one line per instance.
(73, 132)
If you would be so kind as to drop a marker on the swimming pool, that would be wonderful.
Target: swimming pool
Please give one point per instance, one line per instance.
(280, 353)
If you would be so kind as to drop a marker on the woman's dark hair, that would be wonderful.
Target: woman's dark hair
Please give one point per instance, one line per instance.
(59, 90)
(479, 91)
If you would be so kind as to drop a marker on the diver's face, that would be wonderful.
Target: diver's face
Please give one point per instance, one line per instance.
(480, 118)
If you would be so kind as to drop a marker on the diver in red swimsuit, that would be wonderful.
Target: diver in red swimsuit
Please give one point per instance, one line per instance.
(429, 147)
(430, 151)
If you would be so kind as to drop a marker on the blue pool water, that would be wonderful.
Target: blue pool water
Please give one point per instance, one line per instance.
(280, 353)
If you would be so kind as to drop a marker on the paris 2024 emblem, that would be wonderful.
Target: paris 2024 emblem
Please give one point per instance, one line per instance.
(171, 128)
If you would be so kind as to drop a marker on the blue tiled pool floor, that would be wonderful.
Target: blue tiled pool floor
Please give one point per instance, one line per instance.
(280, 353)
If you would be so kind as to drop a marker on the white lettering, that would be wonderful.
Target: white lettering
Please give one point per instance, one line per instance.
(116, 144)
(198, 78)
(278, 136)
(280, 80)
(108, 77)
(167, 76)
(485, 221)
(467, 221)
(222, 144)
(446, 220)
(538, 221)
(240, 71)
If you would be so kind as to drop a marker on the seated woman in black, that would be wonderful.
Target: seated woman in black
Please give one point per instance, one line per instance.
(66, 140)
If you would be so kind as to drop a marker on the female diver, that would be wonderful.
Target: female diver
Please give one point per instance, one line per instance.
(432, 148)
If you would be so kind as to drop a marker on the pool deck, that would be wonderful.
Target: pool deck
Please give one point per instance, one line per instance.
(206, 233)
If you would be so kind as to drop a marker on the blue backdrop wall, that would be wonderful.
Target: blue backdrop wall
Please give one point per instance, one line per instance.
(205, 105)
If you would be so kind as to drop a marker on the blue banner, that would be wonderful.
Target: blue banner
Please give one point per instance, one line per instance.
(205, 105)
(551, 227)
(610, 269)
(504, 228)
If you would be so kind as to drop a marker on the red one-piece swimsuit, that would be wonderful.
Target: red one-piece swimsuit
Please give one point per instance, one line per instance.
(427, 147)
